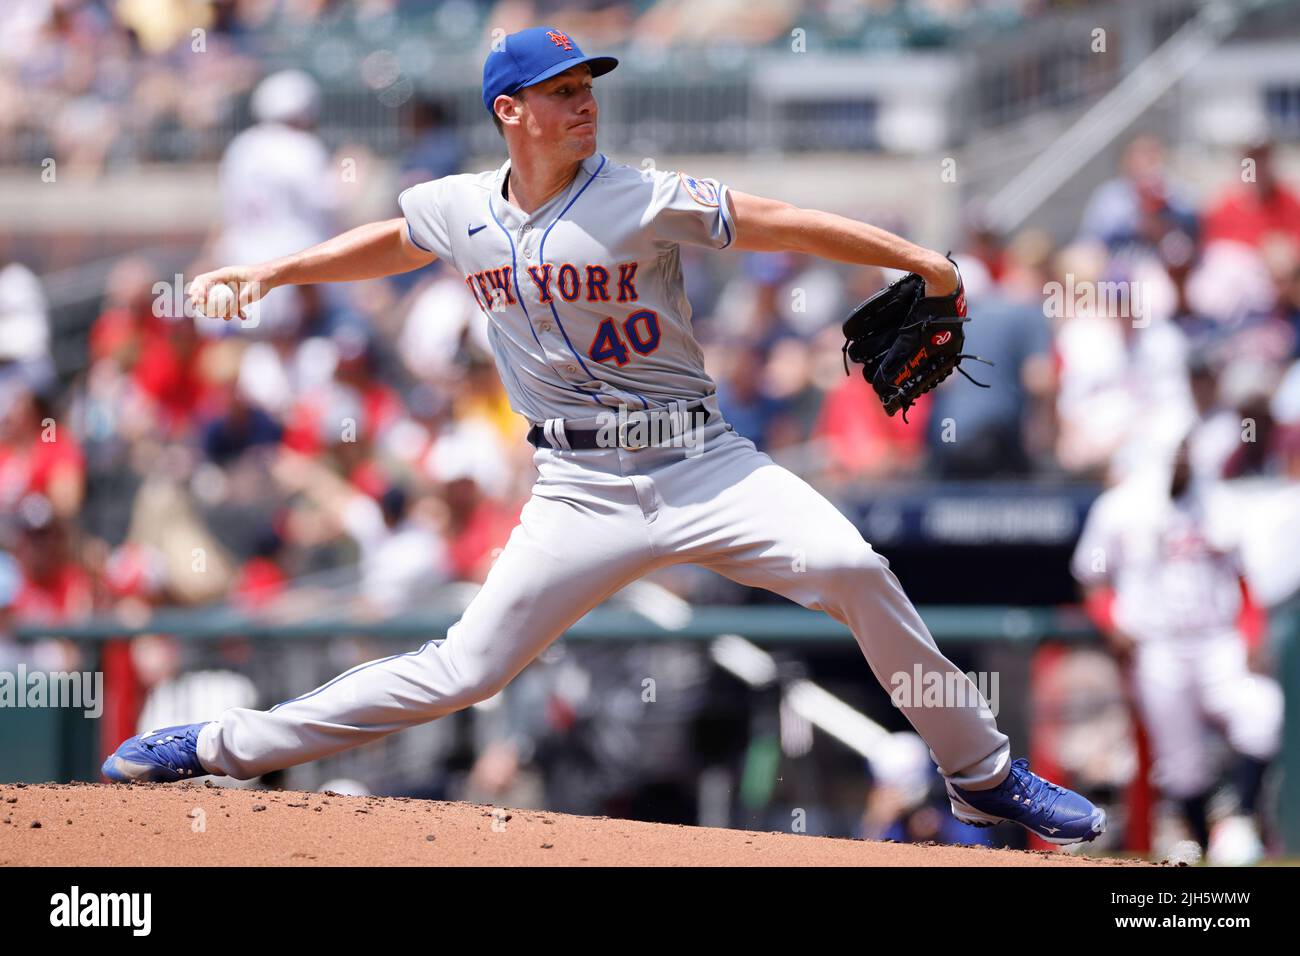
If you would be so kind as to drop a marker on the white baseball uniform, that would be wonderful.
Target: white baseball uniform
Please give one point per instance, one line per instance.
(588, 316)
(1175, 570)
(279, 194)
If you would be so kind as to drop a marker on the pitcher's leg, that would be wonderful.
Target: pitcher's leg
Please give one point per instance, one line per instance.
(763, 526)
(562, 560)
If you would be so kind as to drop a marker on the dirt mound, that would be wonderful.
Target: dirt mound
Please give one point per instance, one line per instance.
(201, 825)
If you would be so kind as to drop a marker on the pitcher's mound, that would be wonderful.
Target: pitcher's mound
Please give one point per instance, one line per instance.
(194, 824)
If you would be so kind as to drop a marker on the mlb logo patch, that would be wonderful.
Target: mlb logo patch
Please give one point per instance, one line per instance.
(703, 191)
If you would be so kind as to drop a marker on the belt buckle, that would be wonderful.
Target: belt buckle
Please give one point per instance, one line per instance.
(623, 439)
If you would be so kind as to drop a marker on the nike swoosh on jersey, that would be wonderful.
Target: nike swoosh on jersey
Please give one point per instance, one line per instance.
(474, 229)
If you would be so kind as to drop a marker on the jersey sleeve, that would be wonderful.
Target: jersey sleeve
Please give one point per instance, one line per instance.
(688, 209)
(424, 207)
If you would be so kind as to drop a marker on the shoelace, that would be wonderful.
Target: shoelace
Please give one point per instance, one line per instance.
(171, 747)
(1032, 788)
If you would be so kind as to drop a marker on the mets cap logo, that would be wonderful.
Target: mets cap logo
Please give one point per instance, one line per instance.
(703, 191)
(559, 39)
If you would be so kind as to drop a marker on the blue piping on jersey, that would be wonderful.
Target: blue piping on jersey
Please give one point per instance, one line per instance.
(415, 241)
(722, 212)
(514, 275)
(355, 670)
(541, 254)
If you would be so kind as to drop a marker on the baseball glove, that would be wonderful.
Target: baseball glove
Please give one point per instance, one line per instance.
(907, 342)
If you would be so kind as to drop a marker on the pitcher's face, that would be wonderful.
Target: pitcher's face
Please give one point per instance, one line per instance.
(561, 113)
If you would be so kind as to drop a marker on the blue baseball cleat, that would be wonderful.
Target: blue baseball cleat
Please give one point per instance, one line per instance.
(1048, 811)
(160, 756)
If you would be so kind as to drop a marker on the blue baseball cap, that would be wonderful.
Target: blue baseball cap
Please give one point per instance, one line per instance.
(531, 56)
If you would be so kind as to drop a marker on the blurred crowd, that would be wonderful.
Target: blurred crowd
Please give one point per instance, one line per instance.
(364, 426)
(92, 83)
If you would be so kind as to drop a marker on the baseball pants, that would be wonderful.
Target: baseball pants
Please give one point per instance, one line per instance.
(596, 521)
(1190, 683)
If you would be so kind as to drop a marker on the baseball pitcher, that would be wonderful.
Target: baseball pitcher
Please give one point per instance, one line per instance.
(575, 259)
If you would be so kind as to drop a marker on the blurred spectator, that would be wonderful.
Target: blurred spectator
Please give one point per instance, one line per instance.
(749, 22)
(436, 149)
(1217, 431)
(752, 305)
(349, 411)
(171, 375)
(51, 654)
(128, 321)
(602, 22)
(24, 322)
(907, 802)
(1142, 204)
(788, 380)
(39, 454)
(159, 24)
(402, 554)
(441, 321)
(754, 413)
(985, 242)
(262, 578)
(239, 426)
(469, 447)
(1258, 209)
(1123, 393)
(279, 190)
(478, 525)
(978, 433)
(861, 441)
(55, 587)
(1258, 452)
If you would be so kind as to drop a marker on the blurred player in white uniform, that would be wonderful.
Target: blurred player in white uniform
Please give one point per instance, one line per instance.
(279, 192)
(1159, 560)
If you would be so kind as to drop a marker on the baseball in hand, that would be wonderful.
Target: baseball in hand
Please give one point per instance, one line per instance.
(221, 302)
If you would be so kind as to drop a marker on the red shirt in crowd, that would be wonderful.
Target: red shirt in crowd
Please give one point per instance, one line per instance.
(260, 582)
(123, 333)
(862, 439)
(173, 378)
(29, 469)
(65, 595)
(380, 407)
(487, 528)
(1246, 215)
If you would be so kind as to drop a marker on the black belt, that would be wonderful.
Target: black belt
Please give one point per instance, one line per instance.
(624, 431)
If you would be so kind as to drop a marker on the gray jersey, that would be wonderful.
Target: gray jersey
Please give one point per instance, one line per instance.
(584, 297)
